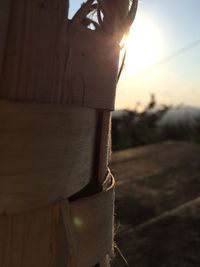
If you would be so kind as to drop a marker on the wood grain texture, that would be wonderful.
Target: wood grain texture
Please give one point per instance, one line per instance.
(5, 11)
(33, 239)
(40, 237)
(35, 54)
(92, 218)
(72, 253)
(46, 150)
(46, 153)
(92, 69)
(49, 60)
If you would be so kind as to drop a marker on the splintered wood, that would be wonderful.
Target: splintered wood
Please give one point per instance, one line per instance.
(43, 62)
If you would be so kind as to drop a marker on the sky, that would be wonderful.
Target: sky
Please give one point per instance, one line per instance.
(163, 54)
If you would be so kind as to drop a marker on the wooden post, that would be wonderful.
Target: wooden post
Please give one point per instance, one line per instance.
(57, 88)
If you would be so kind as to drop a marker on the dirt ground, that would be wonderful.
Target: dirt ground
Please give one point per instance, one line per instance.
(158, 205)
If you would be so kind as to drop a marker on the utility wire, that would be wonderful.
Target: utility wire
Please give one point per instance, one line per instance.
(173, 55)
(179, 52)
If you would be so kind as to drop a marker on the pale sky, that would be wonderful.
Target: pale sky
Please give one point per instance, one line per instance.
(163, 54)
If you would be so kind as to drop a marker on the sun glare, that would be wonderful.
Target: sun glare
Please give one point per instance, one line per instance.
(144, 46)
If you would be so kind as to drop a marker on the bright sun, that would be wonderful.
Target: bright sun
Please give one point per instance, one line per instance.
(144, 46)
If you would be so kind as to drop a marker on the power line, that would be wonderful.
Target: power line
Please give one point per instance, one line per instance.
(180, 52)
(175, 54)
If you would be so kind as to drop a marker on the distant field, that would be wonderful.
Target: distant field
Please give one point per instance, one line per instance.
(158, 205)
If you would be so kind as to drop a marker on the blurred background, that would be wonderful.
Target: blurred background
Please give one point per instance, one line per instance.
(156, 133)
(160, 85)
(163, 55)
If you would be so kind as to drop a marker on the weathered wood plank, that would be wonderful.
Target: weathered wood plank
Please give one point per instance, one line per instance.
(31, 238)
(46, 153)
(92, 219)
(41, 237)
(93, 56)
(5, 10)
(35, 50)
(46, 62)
